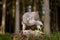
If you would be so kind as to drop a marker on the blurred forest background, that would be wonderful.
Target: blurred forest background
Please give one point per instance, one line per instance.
(11, 12)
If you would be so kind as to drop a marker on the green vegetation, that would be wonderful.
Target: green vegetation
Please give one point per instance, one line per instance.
(5, 37)
(53, 36)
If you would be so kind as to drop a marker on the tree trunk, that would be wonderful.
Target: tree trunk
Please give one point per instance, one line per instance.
(23, 6)
(3, 16)
(47, 17)
(56, 17)
(34, 6)
(17, 27)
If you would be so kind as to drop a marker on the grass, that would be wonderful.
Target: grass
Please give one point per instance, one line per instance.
(5, 37)
(53, 36)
